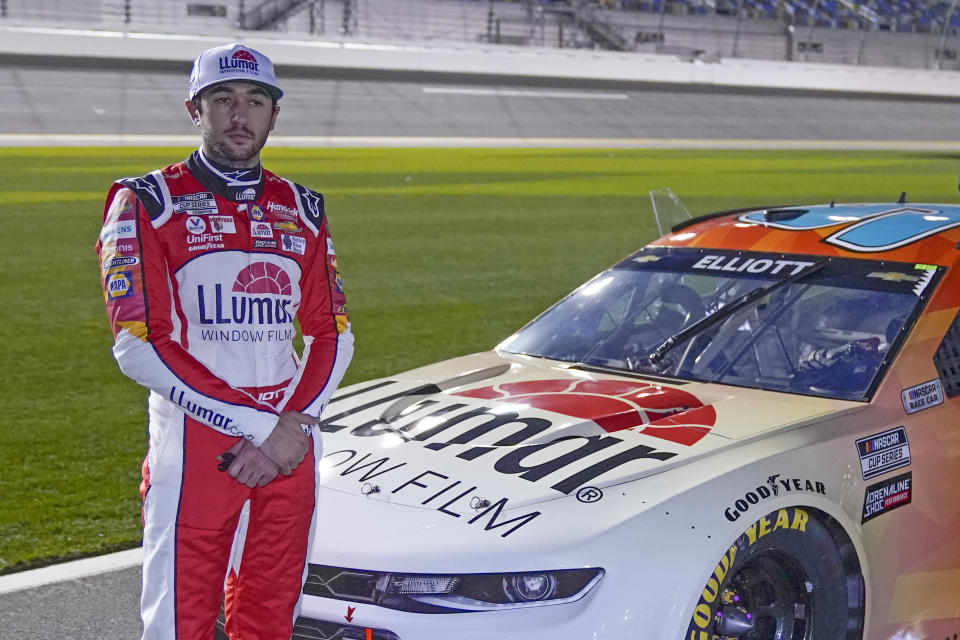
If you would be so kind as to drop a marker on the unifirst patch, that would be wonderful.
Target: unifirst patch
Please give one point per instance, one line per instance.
(923, 396)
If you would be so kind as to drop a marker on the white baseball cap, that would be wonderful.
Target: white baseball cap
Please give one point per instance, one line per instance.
(233, 62)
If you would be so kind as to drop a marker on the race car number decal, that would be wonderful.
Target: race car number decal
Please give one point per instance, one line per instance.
(877, 228)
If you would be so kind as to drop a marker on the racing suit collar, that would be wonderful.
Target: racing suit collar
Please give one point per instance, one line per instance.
(238, 185)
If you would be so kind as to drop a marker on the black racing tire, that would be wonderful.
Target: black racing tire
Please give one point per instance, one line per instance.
(791, 575)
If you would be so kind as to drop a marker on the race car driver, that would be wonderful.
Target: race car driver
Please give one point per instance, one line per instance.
(205, 266)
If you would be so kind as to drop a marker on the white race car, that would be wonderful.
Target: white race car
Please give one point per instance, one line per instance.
(714, 438)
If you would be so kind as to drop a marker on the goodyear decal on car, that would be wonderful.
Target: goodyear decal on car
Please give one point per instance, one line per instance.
(772, 488)
(883, 452)
(711, 598)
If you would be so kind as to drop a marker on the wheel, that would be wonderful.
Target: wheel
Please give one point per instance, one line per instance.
(791, 575)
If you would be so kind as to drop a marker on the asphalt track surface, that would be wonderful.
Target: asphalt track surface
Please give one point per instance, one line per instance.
(54, 99)
(51, 100)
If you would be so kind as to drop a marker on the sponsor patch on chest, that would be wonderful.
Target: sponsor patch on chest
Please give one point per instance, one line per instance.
(222, 224)
(261, 230)
(294, 244)
(196, 225)
(197, 204)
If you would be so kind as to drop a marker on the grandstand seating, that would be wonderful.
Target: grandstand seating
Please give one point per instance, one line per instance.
(840, 31)
(923, 16)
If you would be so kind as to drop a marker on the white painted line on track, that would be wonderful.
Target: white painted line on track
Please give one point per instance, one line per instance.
(520, 93)
(73, 570)
(150, 140)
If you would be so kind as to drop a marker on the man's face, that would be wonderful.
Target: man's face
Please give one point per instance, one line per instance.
(235, 119)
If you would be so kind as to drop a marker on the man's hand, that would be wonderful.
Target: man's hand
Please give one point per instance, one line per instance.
(288, 444)
(248, 465)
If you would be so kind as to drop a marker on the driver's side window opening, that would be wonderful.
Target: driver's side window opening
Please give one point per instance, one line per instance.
(947, 359)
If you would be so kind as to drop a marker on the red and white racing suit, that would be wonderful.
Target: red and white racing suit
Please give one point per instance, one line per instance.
(203, 273)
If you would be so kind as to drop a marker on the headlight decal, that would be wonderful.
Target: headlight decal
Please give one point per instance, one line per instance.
(450, 593)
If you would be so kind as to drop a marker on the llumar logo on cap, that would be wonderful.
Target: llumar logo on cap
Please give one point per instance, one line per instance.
(241, 60)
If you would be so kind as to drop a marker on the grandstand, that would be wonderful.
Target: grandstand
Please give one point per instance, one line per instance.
(900, 33)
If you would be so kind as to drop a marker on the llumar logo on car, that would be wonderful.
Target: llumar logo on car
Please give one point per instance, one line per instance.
(423, 414)
(661, 412)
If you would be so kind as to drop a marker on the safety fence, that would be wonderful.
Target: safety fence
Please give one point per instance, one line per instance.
(690, 29)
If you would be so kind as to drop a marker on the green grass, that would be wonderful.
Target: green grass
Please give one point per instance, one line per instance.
(444, 252)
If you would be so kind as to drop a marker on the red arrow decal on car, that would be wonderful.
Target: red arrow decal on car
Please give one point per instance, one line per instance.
(349, 615)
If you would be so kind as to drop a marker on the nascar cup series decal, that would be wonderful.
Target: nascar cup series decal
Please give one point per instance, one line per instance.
(923, 396)
(883, 452)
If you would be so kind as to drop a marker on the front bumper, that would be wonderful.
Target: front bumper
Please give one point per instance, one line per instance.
(326, 619)
(311, 629)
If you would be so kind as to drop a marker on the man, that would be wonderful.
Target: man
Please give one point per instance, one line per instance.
(205, 264)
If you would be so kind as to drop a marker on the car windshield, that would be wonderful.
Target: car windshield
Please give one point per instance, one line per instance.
(800, 324)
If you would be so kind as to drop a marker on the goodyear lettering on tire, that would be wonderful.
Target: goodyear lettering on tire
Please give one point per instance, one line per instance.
(787, 518)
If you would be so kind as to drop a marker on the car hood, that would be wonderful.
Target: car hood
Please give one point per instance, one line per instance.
(496, 430)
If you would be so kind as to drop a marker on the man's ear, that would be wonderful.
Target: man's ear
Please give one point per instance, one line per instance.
(193, 111)
(273, 119)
